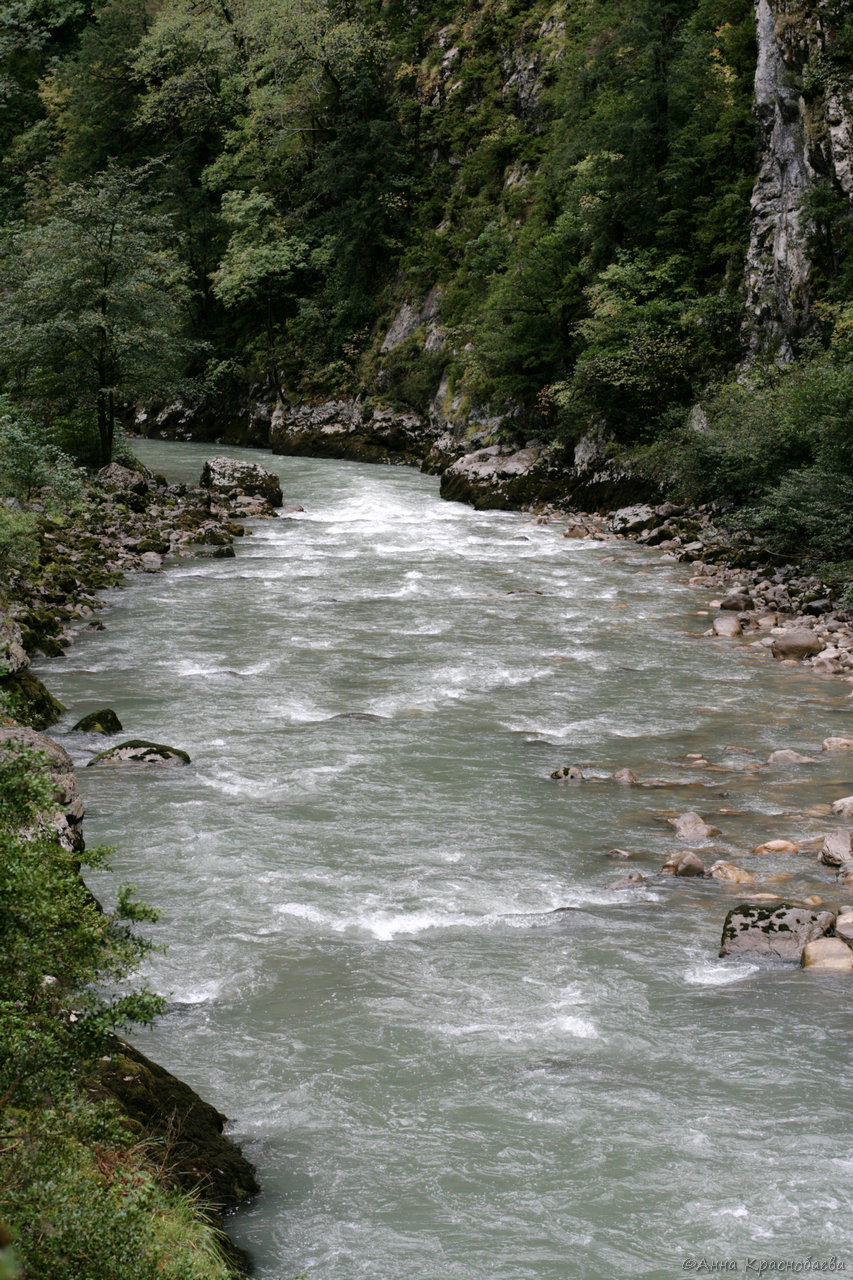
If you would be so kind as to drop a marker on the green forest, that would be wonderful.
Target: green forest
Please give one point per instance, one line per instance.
(210, 199)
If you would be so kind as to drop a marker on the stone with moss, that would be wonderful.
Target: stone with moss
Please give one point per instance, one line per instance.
(30, 701)
(778, 932)
(105, 721)
(137, 751)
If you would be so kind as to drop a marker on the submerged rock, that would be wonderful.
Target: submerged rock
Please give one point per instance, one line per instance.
(731, 874)
(787, 756)
(105, 722)
(690, 826)
(624, 777)
(139, 752)
(631, 881)
(569, 773)
(780, 932)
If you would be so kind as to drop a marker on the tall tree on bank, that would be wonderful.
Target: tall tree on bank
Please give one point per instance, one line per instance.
(94, 303)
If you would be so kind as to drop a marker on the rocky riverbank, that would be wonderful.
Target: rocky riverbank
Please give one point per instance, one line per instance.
(130, 521)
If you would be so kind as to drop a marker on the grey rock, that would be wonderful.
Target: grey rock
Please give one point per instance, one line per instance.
(633, 519)
(797, 642)
(137, 752)
(105, 721)
(837, 849)
(727, 625)
(779, 931)
(229, 478)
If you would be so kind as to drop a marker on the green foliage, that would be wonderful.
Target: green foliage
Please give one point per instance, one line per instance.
(18, 539)
(92, 313)
(81, 1208)
(78, 1197)
(29, 463)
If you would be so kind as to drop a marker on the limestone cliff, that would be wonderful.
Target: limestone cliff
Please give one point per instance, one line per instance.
(805, 113)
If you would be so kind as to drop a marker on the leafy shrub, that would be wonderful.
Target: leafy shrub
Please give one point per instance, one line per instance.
(29, 462)
(18, 539)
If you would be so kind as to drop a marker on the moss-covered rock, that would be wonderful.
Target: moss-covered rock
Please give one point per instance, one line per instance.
(137, 751)
(32, 703)
(199, 1153)
(105, 721)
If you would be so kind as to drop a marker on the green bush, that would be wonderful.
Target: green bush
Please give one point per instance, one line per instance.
(31, 462)
(79, 1196)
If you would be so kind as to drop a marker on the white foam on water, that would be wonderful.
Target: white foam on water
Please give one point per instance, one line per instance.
(708, 973)
(575, 1025)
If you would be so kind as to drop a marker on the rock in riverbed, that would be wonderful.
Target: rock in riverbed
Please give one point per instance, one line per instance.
(229, 478)
(779, 932)
(139, 752)
(827, 955)
(797, 642)
(105, 722)
(690, 826)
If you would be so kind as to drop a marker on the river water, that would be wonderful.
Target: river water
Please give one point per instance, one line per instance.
(437, 1076)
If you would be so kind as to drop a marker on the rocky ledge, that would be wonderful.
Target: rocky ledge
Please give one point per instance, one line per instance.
(345, 429)
(131, 521)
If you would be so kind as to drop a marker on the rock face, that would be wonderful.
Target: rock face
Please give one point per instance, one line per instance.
(105, 722)
(805, 135)
(33, 703)
(779, 932)
(139, 752)
(338, 429)
(68, 819)
(500, 477)
(200, 1155)
(227, 478)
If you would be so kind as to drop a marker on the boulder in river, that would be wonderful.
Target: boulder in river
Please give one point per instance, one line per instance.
(624, 777)
(843, 807)
(105, 721)
(827, 955)
(727, 625)
(230, 478)
(835, 745)
(797, 642)
(569, 773)
(139, 752)
(690, 826)
(777, 846)
(778, 932)
(731, 874)
(684, 862)
(201, 1156)
(837, 849)
(787, 756)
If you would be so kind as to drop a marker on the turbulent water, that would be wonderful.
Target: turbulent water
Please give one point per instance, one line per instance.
(437, 1076)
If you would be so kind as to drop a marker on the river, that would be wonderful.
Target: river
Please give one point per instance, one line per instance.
(437, 1077)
